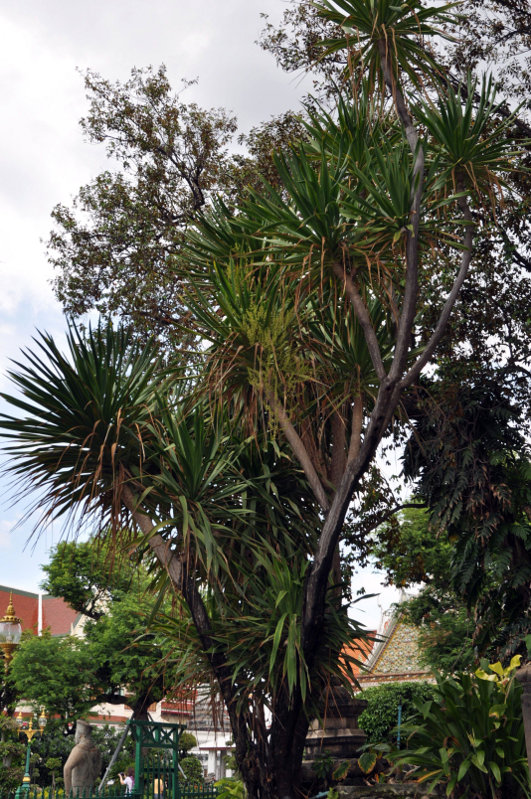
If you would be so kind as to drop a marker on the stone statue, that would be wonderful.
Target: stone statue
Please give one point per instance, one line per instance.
(84, 762)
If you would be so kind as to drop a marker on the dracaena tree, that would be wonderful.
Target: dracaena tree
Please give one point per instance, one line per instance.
(310, 297)
(223, 521)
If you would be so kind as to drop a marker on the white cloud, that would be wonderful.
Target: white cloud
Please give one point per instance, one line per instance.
(5, 534)
(195, 44)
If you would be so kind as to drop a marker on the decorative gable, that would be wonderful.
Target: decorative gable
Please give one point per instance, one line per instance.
(396, 657)
(400, 652)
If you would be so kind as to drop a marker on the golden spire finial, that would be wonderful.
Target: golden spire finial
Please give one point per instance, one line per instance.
(10, 612)
(10, 632)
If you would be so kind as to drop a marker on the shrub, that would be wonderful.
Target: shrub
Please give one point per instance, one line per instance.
(470, 737)
(12, 753)
(187, 741)
(379, 719)
(230, 788)
(192, 768)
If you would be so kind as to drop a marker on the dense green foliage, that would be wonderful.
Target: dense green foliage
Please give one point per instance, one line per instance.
(117, 660)
(87, 574)
(115, 248)
(190, 492)
(410, 550)
(472, 548)
(57, 673)
(490, 330)
(413, 550)
(380, 718)
(446, 630)
(482, 366)
(231, 788)
(473, 467)
(11, 754)
(187, 741)
(470, 737)
(50, 751)
(193, 769)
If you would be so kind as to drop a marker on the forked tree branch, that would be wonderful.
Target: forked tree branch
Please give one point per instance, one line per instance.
(317, 581)
(437, 334)
(299, 449)
(362, 314)
(409, 305)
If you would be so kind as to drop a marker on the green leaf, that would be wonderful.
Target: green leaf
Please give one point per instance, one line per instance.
(367, 761)
(497, 668)
(496, 771)
(463, 769)
(478, 759)
(341, 771)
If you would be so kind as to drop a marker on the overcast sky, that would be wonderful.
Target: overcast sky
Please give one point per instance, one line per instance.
(44, 160)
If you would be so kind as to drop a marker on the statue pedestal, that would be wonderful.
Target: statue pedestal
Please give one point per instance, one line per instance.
(338, 735)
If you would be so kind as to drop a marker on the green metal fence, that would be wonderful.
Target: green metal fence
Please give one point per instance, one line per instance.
(37, 792)
(157, 773)
(183, 790)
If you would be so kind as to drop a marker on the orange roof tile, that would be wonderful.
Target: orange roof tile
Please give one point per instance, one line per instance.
(25, 604)
(359, 648)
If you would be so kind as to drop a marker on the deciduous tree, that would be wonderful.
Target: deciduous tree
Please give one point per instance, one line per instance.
(116, 660)
(114, 248)
(472, 466)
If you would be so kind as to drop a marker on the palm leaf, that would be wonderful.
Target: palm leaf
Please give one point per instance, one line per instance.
(79, 417)
(400, 27)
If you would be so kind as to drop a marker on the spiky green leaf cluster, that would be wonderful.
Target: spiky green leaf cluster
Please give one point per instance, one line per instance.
(78, 417)
(401, 28)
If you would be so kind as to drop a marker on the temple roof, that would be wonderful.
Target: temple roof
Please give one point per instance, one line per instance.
(37, 612)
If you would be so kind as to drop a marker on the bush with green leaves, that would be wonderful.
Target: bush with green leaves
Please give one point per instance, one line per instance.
(106, 738)
(187, 741)
(192, 768)
(469, 739)
(230, 788)
(11, 755)
(380, 717)
(53, 748)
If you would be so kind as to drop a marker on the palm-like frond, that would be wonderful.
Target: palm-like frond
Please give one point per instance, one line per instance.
(101, 416)
(473, 152)
(78, 418)
(400, 27)
(189, 481)
(262, 635)
(218, 236)
(352, 130)
(346, 198)
(251, 318)
(340, 349)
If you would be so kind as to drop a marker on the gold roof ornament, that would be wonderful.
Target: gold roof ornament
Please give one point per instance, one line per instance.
(10, 632)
